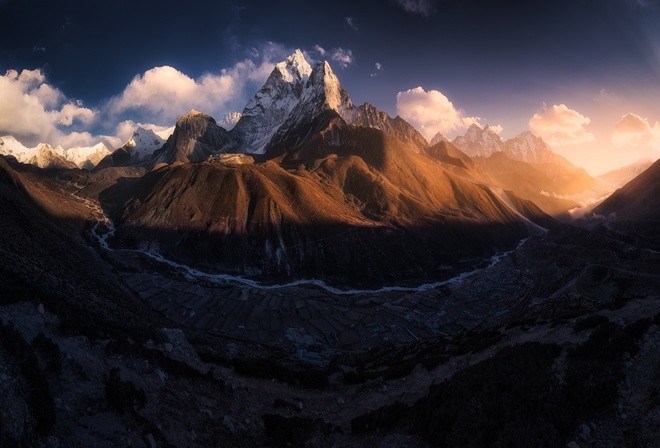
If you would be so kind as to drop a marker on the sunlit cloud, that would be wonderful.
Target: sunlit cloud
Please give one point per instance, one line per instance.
(34, 111)
(379, 68)
(342, 57)
(495, 128)
(422, 7)
(559, 125)
(431, 112)
(633, 131)
(162, 94)
(320, 50)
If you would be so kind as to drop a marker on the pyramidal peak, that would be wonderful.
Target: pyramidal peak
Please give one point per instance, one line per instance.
(271, 105)
(294, 68)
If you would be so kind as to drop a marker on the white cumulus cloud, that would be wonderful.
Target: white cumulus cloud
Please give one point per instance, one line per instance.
(33, 111)
(559, 125)
(431, 112)
(162, 94)
(636, 132)
(422, 7)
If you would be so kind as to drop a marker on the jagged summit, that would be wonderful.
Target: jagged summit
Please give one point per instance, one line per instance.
(323, 98)
(229, 120)
(437, 138)
(528, 148)
(270, 106)
(294, 68)
(144, 143)
(479, 142)
(370, 117)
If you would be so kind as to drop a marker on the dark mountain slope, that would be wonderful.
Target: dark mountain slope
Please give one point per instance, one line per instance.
(360, 205)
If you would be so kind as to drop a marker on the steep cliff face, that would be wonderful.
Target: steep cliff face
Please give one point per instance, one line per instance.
(271, 105)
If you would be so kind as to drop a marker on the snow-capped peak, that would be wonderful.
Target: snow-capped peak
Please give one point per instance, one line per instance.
(295, 68)
(229, 120)
(335, 95)
(144, 142)
(270, 106)
(85, 157)
(10, 146)
(528, 148)
(479, 142)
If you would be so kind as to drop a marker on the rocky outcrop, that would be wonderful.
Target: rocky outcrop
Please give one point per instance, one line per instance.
(196, 136)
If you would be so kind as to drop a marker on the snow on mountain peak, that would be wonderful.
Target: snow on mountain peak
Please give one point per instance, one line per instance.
(528, 148)
(270, 106)
(85, 157)
(479, 142)
(144, 142)
(294, 68)
(12, 147)
(229, 120)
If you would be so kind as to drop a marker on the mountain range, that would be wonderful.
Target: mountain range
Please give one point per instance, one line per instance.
(313, 273)
(333, 169)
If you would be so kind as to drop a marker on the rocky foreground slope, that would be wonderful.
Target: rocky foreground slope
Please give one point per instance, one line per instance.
(98, 348)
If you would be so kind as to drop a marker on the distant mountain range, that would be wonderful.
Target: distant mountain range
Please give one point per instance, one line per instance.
(303, 114)
(345, 192)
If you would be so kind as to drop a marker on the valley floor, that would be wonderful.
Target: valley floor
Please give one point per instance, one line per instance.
(147, 356)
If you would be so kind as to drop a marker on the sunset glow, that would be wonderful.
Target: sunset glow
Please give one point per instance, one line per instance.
(574, 74)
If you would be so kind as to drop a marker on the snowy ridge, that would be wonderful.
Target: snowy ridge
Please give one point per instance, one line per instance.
(9, 146)
(43, 155)
(87, 157)
(484, 142)
(528, 148)
(322, 92)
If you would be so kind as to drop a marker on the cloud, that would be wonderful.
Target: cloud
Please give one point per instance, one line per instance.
(495, 128)
(431, 112)
(559, 125)
(351, 23)
(635, 131)
(71, 112)
(422, 7)
(320, 50)
(162, 94)
(33, 111)
(343, 57)
(379, 68)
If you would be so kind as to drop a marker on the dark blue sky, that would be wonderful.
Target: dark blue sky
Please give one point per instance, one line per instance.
(497, 60)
